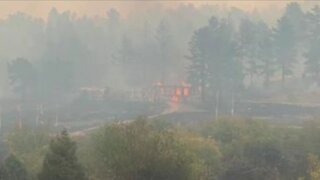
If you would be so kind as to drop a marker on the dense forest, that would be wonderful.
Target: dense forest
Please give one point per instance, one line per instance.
(240, 66)
(211, 48)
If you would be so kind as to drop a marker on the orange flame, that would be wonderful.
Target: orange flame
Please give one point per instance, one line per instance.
(175, 99)
(178, 92)
(186, 91)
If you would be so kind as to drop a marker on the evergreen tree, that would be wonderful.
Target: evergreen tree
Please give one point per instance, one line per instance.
(213, 58)
(13, 169)
(130, 61)
(313, 23)
(296, 17)
(265, 52)
(22, 76)
(163, 39)
(256, 49)
(126, 53)
(248, 44)
(285, 43)
(61, 162)
(198, 70)
(312, 55)
(313, 60)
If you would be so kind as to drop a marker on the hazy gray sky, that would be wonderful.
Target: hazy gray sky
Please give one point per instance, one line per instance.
(91, 8)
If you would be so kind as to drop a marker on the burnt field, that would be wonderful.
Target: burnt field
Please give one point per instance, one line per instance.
(83, 114)
(286, 112)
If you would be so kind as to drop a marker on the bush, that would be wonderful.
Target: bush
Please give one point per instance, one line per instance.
(139, 151)
(13, 169)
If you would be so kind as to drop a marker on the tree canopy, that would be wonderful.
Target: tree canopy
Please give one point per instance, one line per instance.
(61, 163)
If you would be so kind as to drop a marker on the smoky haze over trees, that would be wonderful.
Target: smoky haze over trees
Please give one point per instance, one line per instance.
(212, 48)
(220, 93)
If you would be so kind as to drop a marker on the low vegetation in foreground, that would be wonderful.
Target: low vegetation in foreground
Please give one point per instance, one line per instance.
(225, 149)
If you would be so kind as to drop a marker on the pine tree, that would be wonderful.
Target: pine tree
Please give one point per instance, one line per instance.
(213, 62)
(248, 44)
(285, 43)
(61, 163)
(22, 77)
(13, 169)
(313, 61)
(312, 55)
(296, 16)
(265, 52)
(164, 41)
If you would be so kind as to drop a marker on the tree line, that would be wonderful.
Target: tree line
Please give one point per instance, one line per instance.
(113, 52)
(223, 54)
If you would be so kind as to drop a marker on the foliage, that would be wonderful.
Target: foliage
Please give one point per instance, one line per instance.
(285, 44)
(60, 162)
(66, 52)
(29, 145)
(250, 150)
(314, 167)
(13, 169)
(164, 44)
(213, 57)
(256, 48)
(312, 55)
(139, 151)
(22, 76)
(249, 45)
(227, 148)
